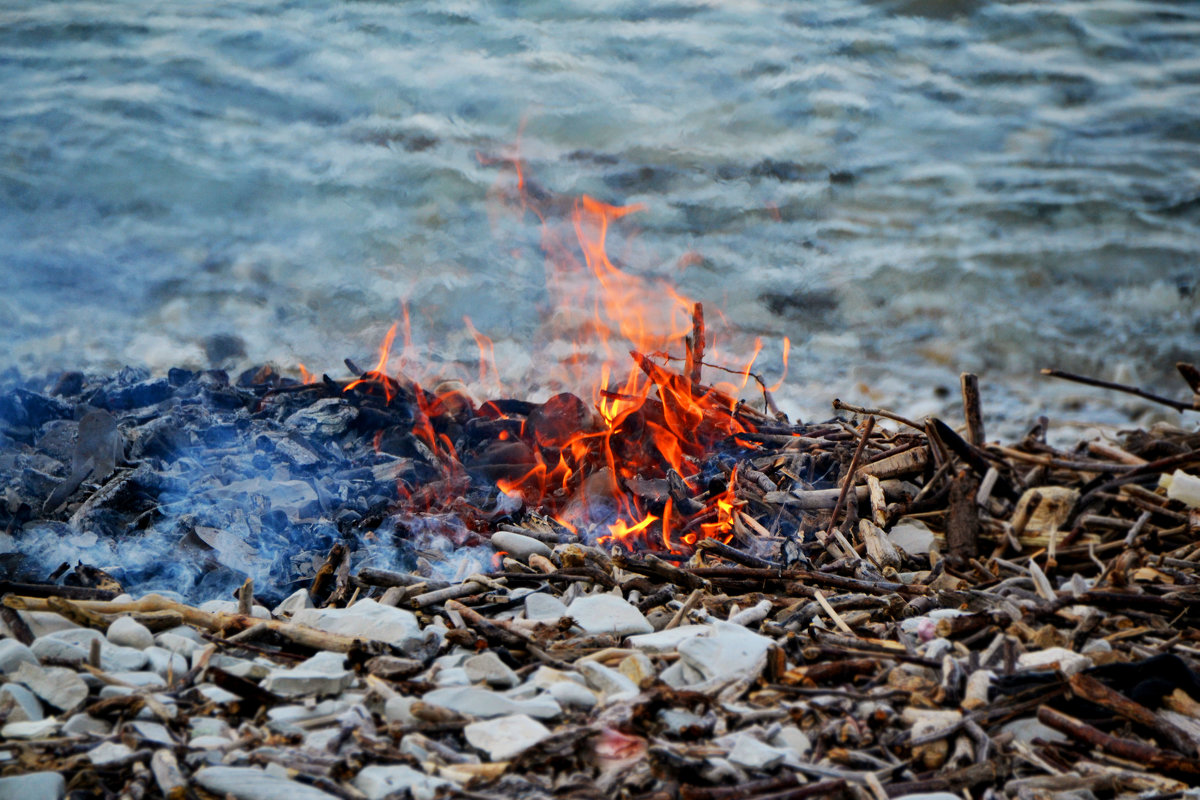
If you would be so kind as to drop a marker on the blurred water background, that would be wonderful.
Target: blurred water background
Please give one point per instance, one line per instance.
(904, 188)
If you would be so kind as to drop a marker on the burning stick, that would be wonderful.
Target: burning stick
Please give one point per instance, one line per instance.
(695, 346)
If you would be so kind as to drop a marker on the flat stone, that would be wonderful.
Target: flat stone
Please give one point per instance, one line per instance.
(296, 601)
(911, 536)
(519, 546)
(484, 703)
(299, 713)
(611, 683)
(13, 654)
(570, 694)
(504, 738)
(792, 738)
(369, 620)
(608, 614)
(488, 668)
(540, 606)
(726, 652)
(153, 732)
(112, 657)
(751, 753)
(22, 702)
(109, 753)
(1068, 661)
(83, 725)
(929, 796)
(248, 783)
(379, 781)
(58, 686)
(209, 743)
(398, 710)
(323, 673)
(31, 729)
(34, 786)
(453, 676)
(667, 641)
(128, 632)
(141, 678)
(40, 623)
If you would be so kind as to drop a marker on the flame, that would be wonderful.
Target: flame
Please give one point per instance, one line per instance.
(648, 418)
(306, 377)
(379, 375)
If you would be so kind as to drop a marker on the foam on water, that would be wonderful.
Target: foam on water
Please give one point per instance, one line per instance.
(906, 188)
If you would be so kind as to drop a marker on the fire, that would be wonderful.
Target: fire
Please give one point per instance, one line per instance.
(646, 421)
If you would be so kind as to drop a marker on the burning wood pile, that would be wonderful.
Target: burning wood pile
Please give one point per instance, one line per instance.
(665, 594)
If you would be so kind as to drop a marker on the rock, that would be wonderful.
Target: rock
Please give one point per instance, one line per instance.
(606, 613)
(484, 703)
(113, 658)
(606, 680)
(792, 738)
(231, 606)
(726, 652)
(23, 705)
(369, 620)
(324, 673)
(174, 643)
(163, 662)
(128, 632)
(140, 678)
(34, 786)
(47, 649)
(750, 753)
(153, 732)
(83, 725)
(519, 546)
(1068, 661)
(58, 686)
(379, 781)
(398, 710)
(13, 654)
(570, 694)
(31, 729)
(504, 738)
(1026, 729)
(639, 669)
(107, 753)
(677, 721)
(248, 783)
(542, 606)
(912, 536)
(488, 668)
(41, 623)
(296, 601)
(666, 641)
(929, 796)
(452, 676)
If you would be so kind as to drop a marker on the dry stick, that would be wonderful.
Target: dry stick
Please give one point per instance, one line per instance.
(1089, 688)
(848, 480)
(1190, 374)
(1178, 405)
(1116, 746)
(839, 405)
(695, 349)
(972, 409)
(687, 606)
